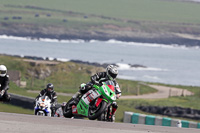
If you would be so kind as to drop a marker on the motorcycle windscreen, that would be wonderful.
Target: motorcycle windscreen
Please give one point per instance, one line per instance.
(111, 85)
(108, 90)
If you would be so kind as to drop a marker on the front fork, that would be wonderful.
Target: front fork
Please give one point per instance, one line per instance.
(98, 101)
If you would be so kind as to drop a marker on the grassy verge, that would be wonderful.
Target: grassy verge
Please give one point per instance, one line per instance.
(67, 76)
(186, 102)
(14, 109)
(127, 105)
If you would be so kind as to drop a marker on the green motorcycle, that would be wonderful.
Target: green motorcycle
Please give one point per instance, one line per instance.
(93, 103)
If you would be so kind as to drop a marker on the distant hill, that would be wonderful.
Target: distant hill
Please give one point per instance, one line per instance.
(153, 21)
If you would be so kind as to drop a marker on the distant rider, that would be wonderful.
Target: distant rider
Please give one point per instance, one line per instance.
(4, 84)
(110, 74)
(49, 91)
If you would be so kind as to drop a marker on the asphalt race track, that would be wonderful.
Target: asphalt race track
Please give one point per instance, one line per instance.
(21, 123)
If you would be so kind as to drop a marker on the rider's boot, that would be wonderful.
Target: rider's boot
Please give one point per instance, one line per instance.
(112, 114)
(113, 111)
(8, 98)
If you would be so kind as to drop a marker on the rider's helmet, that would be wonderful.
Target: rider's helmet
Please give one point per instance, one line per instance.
(49, 88)
(111, 71)
(3, 70)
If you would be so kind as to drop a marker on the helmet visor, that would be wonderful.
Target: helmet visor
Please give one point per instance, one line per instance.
(2, 72)
(113, 75)
(49, 89)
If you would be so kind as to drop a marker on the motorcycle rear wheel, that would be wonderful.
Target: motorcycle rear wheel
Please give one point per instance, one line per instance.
(67, 111)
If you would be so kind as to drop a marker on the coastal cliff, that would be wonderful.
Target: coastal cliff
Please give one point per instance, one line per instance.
(55, 32)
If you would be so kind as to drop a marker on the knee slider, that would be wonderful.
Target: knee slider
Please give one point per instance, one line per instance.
(114, 105)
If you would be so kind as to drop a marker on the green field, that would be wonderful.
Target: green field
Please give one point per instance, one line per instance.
(155, 21)
(186, 102)
(66, 77)
(148, 10)
(14, 109)
(88, 15)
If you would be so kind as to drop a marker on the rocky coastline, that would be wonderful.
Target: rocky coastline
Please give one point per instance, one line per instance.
(168, 40)
(120, 29)
(54, 32)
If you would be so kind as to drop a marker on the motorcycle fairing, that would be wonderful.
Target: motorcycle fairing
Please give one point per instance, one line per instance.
(84, 102)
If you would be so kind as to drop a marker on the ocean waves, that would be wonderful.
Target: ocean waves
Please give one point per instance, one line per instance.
(170, 64)
(96, 41)
(129, 67)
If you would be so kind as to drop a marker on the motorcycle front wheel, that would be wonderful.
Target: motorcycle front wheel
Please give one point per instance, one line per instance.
(94, 113)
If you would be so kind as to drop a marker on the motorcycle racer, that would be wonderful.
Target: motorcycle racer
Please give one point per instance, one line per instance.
(110, 74)
(49, 91)
(4, 84)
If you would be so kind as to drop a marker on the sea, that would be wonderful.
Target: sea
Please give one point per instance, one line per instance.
(169, 64)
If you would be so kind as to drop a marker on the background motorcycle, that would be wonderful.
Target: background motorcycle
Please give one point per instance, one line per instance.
(42, 106)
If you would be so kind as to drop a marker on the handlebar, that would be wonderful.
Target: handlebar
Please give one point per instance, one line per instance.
(98, 83)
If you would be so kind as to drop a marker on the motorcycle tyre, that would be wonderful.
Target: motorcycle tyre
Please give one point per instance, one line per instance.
(67, 113)
(102, 117)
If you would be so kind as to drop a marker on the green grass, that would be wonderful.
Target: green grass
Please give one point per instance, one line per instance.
(134, 87)
(147, 15)
(129, 105)
(14, 109)
(151, 10)
(67, 77)
(186, 102)
(128, 16)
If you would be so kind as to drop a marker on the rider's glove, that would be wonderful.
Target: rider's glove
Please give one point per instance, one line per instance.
(53, 104)
(118, 95)
(2, 92)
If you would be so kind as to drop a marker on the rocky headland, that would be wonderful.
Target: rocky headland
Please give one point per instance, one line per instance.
(120, 34)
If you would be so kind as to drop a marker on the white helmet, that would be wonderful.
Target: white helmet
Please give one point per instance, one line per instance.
(112, 72)
(3, 70)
